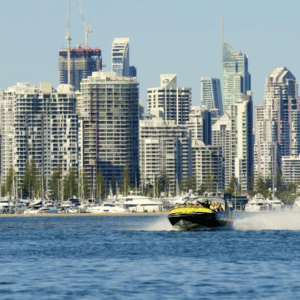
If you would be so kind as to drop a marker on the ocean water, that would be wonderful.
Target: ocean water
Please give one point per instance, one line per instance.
(141, 257)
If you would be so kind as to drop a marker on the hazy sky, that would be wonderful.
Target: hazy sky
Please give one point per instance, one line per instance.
(166, 36)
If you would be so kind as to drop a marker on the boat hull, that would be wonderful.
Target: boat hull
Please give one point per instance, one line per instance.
(199, 219)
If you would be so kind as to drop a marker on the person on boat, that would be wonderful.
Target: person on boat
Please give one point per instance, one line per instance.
(220, 208)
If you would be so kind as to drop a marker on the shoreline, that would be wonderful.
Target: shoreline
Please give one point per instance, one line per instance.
(43, 215)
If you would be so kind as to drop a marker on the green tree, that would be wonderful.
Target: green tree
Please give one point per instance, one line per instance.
(26, 185)
(100, 185)
(86, 185)
(34, 178)
(209, 182)
(3, 192)
(263, 186)
(56, 182)
(193, 183)
(165, 182)
(70, 184)
(125, 181)
(251, 191)
(9, 181)
(231, 188)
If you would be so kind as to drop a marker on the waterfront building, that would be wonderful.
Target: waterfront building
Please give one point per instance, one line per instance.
(165, 149)
(291, 169)
(200, 123)
(120, 57)
(242, 140)
(174, 101)
(42, 126)
(222, 137)
(108, 108)
(211, 94)
(236, 79)
(83, 62)
(277, 129)
(207, 166)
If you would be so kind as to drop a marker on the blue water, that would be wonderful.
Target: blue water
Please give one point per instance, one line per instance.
(140, 257)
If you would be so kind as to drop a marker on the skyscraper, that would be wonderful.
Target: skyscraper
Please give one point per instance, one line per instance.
(277, 126)
(207, 166)
(120, 56)
(108, 108)
(222, 137)
(236, 80)
(174, 101)
(45, 126)
(83, 62)
(210, 94)
(165, 149)
(242, 140)
(200, 124)
(132, 71)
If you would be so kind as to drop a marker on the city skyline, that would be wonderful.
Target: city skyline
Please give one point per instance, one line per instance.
(155, 37)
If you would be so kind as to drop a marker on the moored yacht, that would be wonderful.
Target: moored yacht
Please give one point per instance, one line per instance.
(139, 203)
(275, 204)
(257, 203)
(4, 204)
(109, 207)
(296, 205)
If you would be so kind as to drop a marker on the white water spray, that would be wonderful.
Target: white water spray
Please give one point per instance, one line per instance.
(161, 224)
(278, 220)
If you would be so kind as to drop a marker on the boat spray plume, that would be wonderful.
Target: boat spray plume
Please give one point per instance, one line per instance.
(280, 220)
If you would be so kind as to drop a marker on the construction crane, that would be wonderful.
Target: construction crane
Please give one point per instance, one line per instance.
(69, 44)
(87, 27)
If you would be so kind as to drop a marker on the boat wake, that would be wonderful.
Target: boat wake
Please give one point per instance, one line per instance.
(162, 224)
(279, 220)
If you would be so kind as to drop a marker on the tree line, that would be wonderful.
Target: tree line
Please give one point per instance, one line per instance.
(62, 186)
(71, 184)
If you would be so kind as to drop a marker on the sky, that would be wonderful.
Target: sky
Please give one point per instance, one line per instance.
(166, 36)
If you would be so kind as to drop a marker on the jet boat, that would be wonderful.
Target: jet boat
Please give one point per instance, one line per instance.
(202, 213)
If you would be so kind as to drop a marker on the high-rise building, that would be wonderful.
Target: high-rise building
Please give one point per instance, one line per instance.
(277, 123)
(236, 80)
(211, 94)
(132, 71)
(291, 169)
(174, 101)
(120, 57)
(165, 148)
(83, 62)
(108, 108)
(222, 137)
(207, 166)
(200, 123)
(45, 126)
(242, 140)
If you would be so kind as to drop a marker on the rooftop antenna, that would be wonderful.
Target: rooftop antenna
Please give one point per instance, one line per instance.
(222, 27)
(87, 27)
(69, 44)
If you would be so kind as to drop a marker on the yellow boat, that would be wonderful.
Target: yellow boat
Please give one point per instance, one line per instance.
(202, 213)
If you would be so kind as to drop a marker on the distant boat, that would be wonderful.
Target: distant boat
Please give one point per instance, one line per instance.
(139, 203)
(257, 203)
(296, 205)
(113, 208)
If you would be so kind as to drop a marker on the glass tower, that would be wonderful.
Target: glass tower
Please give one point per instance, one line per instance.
(235, 76)
(120, 56)
(211, 95)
